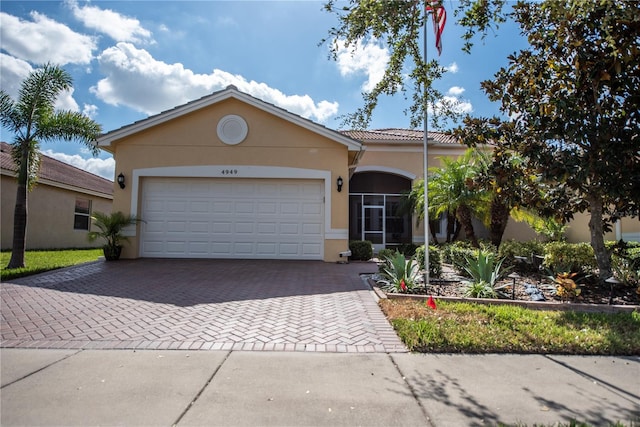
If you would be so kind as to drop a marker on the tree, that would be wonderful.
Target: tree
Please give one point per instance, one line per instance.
(515, 191)
(33, 119)
(575, 99)
(451, 192)
(397, 24)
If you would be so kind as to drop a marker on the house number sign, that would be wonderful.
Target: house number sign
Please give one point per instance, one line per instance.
(229, 171)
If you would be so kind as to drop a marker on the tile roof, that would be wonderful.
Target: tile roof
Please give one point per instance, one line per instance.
(60, 172)
(398, 135)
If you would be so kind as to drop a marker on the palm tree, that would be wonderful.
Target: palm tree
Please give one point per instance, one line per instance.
(451, 192)
(33, 119)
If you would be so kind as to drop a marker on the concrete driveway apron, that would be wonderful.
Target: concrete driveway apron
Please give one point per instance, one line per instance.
(198, 304)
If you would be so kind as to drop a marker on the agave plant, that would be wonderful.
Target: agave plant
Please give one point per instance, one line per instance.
(399, 273)
(485, 272)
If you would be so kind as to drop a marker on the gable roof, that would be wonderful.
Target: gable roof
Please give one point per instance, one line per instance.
(397, 135)
(59, 174)
(108, 138)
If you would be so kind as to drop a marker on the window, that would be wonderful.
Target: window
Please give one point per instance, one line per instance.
(82, 214)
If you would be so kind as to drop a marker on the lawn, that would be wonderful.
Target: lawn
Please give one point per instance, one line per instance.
(475, 328)
(39, 261)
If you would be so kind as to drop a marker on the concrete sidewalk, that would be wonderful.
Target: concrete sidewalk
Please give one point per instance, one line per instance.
(226, 388)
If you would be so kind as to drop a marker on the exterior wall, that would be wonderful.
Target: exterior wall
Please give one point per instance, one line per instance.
(50, 216)
(409, 159)
(578, 229)
(192, 141)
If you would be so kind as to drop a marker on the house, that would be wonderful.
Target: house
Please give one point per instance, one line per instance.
(231, 176)
(60, 205)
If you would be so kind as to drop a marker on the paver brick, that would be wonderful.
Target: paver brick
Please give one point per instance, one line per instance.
(198, 304)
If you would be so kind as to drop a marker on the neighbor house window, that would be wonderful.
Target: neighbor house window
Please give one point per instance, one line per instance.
(82, 214)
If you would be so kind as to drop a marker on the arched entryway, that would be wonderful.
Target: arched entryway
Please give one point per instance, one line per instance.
(374, 198)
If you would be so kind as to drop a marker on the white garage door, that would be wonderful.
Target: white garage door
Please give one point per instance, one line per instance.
(232, 218)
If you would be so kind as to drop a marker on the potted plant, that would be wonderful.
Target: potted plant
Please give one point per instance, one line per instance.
(110, 229)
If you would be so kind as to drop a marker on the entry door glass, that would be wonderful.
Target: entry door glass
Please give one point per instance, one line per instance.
(374, 225)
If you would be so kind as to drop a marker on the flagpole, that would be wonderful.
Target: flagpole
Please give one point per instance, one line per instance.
(425, 155)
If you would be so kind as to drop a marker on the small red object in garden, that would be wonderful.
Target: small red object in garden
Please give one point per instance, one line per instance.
(402, 285)
(431, 302)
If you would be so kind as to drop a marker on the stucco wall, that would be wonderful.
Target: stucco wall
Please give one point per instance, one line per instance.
(50, 216)
(191, 140)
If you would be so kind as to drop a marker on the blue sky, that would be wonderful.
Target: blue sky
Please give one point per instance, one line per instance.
(133, 59)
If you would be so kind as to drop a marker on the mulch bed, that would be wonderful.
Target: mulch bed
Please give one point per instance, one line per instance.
(450, 286)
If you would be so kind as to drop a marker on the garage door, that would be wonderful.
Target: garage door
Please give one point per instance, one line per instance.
(232, 218)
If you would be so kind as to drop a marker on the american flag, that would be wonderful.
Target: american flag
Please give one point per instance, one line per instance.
(439, 15)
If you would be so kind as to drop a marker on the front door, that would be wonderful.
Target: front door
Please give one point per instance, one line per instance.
(373, 221)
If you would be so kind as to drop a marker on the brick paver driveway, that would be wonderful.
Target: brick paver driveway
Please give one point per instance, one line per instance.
(198, 304)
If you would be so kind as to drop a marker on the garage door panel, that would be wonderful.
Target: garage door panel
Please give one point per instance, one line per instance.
(222, 227)
(222, 207)
(267, 228)
(310, 249)
(289, 208)
(312, 209)
(198, 248)
(199, 227)
(244, 227)
(311, 229)
(245, 208)
(232, 218)
(200, 206)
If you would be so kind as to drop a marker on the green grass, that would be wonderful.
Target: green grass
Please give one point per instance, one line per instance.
(39, 261)
(476, 328)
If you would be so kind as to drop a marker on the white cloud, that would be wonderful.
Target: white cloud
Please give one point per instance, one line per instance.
(65, 101)
(113, 24)
(137, 80)
(452, 68)
(451, 103)
(44, 40)
(12, 72)
(90, 110)
(455, 91)
(368, 58)
(101, 167)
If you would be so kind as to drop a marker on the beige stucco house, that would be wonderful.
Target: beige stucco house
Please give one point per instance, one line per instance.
(231, 176)
(60, 205)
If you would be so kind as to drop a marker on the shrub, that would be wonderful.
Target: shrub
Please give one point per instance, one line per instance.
(566, 287)
(408, 249)
(400, 274)
(625, 263)
(361, 250)
(511, 248)
(385, 253)
(435, 263)
(455, 253)
(561, 257)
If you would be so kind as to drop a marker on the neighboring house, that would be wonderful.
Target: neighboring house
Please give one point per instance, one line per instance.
(60, 205)
(231, 176)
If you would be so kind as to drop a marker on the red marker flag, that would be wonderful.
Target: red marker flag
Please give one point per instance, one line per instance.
(431, 302)
(439, 15)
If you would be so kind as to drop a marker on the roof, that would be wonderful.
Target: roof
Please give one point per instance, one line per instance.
(231, 91)
(57, 173)
(397, 135)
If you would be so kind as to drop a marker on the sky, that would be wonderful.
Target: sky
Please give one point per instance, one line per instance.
(133, 59)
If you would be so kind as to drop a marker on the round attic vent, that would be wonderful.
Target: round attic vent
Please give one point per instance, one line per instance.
(232, 129)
